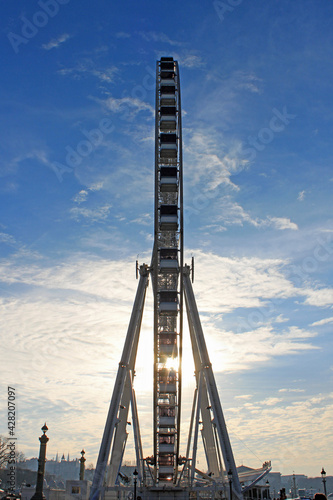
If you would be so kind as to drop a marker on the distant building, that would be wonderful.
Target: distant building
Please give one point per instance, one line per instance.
(64, 469)
(278, 481)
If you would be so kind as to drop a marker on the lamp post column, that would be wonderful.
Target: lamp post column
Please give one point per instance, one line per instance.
(82, 460)
(135, 474)
(323, 475)
(230, 483)
(267, 486)
(41, 465)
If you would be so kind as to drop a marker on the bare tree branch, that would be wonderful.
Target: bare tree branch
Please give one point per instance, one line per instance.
(3, 452)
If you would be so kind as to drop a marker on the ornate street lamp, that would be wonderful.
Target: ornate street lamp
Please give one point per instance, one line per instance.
(82, 460)
(267, 487)
(323, 475)
(39, 495)
(135, 473)
(230, 483)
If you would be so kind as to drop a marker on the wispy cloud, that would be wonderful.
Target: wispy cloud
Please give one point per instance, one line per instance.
(237, 81)
(144, 219)
(255, 284)
(187, 59)
(320, 298)
(235, 352)
(81, 196)
(324, 321)
(292, 390)
(57, 331)
(132, 105)
(96, 214)
(87, 67)
(38, 154)
(232, 213)
(243, 282)
(56, 42)
(248, 81)
(72, 311)
(97, 186)
(8, 239)
(291, 425)
(122, 34)
(271, 401)
(153, 36)
(282, 223)
(191, 61)
(281, 319)
(301, 195)
(220, 163)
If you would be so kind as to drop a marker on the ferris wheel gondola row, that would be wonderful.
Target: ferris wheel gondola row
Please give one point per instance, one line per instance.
(167, 271)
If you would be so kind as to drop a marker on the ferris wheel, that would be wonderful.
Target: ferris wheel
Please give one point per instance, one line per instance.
(167, 470)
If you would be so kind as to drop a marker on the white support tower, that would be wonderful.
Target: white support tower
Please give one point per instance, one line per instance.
(168, 473)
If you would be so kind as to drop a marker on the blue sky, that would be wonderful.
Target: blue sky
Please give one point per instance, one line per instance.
(76, 166)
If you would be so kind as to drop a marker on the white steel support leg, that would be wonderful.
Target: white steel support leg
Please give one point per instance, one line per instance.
(127, 359)
(211, 447)
(191, 423)
(196, 428)
(120, 436)
(208, 436)
(137, 437)
(200, 346)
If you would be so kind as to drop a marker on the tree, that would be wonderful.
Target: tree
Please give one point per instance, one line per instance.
(20, 456)
(3, 452)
